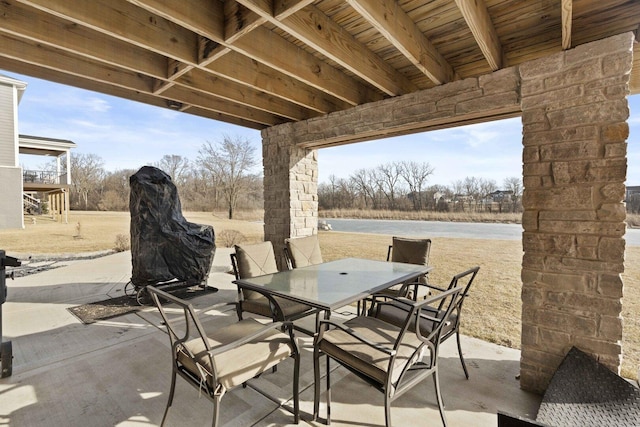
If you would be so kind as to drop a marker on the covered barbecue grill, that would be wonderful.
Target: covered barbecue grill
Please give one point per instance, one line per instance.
(166, 249)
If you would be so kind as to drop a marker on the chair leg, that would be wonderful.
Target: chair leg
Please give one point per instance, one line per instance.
(316, 382)
(296, 389)
(216, 410)
(436, 382)
(171, 392)
(464, 365)
(328, 392)
(387, 409)
(239, 310)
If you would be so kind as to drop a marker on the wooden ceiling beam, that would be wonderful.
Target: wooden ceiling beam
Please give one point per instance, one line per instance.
(318, 31)
(36, 71)
(241, 94)
(211, 102)
(261, 45)
(204, 17)
(567, 15)
(254, 74)
(32, 24)
(60, 60)
(271, 49)
(143, 29)
(479, 22)
(284, 8)
(239, 21)
(395, 25)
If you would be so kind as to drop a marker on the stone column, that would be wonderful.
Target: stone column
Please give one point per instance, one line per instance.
(574, 112)
(290, 187)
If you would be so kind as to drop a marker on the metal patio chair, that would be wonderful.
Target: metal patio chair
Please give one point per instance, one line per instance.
(302, 251)
(410, 251)
(391, 358)
(394, 311)
(217, 360)
(256, 260)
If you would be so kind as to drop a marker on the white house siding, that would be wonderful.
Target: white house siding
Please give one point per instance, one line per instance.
(11, 198)
(8, 126)
(11, 215)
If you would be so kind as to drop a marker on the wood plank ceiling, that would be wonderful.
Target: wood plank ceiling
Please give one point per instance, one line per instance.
(258, 63)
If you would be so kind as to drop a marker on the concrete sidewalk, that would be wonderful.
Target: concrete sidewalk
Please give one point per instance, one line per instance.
(117, 372)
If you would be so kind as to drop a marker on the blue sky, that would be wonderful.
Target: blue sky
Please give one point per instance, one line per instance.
(128, 135)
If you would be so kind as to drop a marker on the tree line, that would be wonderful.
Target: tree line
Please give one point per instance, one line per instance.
(220, 178)
(403, 185)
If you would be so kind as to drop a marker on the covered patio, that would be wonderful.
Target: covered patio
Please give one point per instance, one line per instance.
(116, 372)
(313, 74)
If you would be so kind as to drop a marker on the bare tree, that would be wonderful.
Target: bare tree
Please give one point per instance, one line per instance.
(415, 175)
(387, 177)
(87, 174)
(458, 195)
(487, 186)
(229, 163)
(115, 190)
(364, 185)
(514, 184)
(471, 186)
(177, 167)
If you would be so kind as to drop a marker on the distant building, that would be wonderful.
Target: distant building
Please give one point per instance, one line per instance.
(499, 196)
(18, 186)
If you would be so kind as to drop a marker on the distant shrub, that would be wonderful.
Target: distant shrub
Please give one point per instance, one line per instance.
(228, 238)
(122, 243)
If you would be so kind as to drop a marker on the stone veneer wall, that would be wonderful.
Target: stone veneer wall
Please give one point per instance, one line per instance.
(290, 188)
(574, 112)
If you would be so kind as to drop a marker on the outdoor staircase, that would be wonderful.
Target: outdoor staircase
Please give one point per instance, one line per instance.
(30, 204)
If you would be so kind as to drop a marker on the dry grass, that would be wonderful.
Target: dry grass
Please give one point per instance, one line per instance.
(507, 217)
(98, 231)
(492, 311)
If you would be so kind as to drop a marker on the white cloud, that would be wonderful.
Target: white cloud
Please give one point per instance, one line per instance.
(98, 105)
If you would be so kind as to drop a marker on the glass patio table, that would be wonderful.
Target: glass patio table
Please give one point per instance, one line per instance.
(334, 284)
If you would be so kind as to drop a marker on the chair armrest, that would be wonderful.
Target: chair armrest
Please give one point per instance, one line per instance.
(248, 338)
(430, 286)
(276, 311)
(387, 298)
(349, 331)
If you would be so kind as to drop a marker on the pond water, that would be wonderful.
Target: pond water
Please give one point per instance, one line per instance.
(467, 230)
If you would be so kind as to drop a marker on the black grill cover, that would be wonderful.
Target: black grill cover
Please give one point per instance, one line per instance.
(164, 245)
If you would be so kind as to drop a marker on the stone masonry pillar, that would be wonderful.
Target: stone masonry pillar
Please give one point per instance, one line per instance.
(574, 112)
(290, 187)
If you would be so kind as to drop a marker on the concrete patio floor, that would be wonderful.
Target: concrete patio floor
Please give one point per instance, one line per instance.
(117, 372)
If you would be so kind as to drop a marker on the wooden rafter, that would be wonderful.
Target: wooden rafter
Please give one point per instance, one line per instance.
(50, 30)
(260, 44)
(261, 77)
(315, 29)
(240, 94)
(257, 63)
(153, 33)
(396, 26)
(271, 49)
(567, 15)
(477, 17)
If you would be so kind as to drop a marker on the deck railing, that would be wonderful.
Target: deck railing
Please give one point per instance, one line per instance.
(43, 177)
